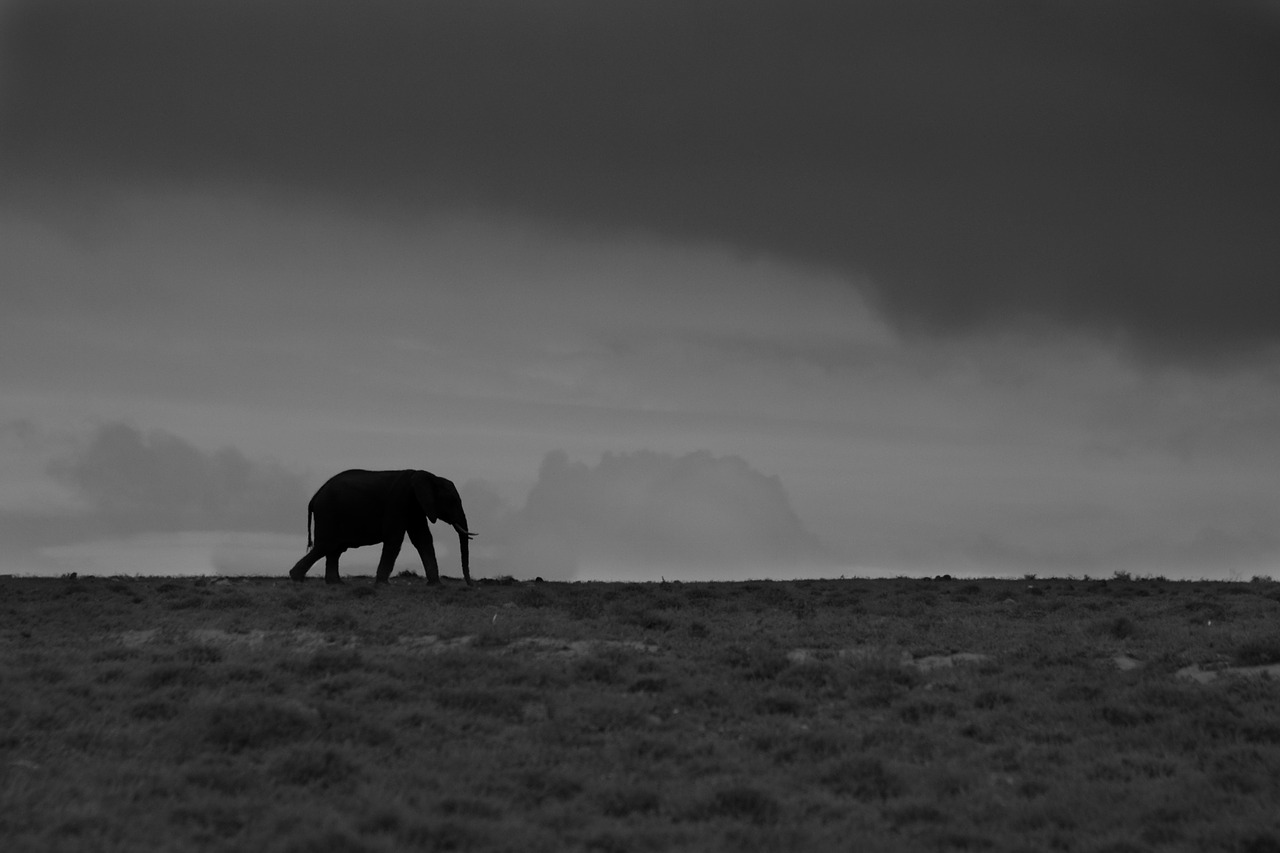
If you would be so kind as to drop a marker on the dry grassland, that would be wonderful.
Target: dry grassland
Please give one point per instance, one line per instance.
(244, 714)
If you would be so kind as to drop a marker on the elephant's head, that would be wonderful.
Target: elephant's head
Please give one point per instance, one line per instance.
(440, 501)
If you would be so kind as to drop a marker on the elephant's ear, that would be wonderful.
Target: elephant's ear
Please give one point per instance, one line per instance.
(424, 489)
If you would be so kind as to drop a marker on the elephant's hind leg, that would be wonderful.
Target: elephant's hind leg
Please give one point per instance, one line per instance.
(300, 569)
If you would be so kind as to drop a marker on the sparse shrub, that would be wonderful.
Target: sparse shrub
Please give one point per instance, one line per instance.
(1258, 652)
(467, 807)
(333, 661)
(312, 767)
(208, 820)
(488, 702)
(380, 821)
(154, 709)
(1206, 610)
(1260, 843)
(806, 747)
(48, 674)
(114, 654)
(184, 674)
(649, 620)
(243, 674)
(864, 779)
(541, 785)
(989, 699)
(606, 714)
(342, 723)
(386, 691)
(596, 668)
(616, 842)
(333, 841)
(110, 675)
(878, 685)
(1121, 628)
(445, 835)
(1125, 717)
(492, 636)
(200, 653)
(915, 814)
(647, 685)
(1121, 847)
(915, 713)
(252, 724)
(532, 596)
(337, 622)
(233, 600)
(818, 675)
(946, 782)
(757, 664)
(650, 749)
(621, 802)
(222, 778)
(740, 802)
(781, 703)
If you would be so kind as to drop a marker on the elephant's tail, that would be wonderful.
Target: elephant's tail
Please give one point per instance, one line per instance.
(309, 514)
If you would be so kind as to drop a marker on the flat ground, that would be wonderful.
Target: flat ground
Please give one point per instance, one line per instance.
(250, 714)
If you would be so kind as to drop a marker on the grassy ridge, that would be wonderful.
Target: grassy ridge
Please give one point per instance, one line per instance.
(260, 714)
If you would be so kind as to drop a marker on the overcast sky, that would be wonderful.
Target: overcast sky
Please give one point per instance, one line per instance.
(699, 289)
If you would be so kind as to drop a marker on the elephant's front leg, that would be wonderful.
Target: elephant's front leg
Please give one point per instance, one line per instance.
(420, 536)
(331, 567)
(390, 550)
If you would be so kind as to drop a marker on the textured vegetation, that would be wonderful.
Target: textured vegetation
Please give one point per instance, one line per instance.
(239, 714)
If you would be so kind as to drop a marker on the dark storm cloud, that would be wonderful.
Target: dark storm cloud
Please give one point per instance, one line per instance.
(135, 482)
(1104, 164)
(654, 510)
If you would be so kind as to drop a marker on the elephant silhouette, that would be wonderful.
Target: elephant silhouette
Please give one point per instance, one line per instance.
(357, 508)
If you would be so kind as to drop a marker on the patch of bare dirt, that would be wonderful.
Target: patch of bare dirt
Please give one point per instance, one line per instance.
(925, 663)
(422, 644)
(1207, 674)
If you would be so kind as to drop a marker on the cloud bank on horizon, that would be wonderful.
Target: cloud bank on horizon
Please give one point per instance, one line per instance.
(646, 513)
(694, 514)
(156, 482)
(1101, 166)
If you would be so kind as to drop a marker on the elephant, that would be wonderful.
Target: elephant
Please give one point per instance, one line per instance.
(358, 508)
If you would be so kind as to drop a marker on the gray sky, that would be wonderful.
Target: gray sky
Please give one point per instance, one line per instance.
(930, 286)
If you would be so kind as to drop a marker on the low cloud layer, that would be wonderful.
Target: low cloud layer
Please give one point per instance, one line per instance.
(647, 512)
(147, 499)
(155, 482)
(1106, 166)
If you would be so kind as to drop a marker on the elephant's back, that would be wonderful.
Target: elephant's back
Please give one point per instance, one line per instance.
(353, 508)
